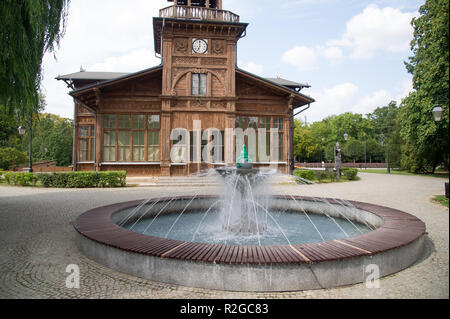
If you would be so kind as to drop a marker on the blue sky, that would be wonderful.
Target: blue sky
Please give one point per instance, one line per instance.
(350, 51)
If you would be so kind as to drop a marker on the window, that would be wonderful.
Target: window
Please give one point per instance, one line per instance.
(199, 84)
(153, 146)
(261, 145)
(178, 150)
(218, 146)
(109, 150)
(131, 138)
(193, 147)
(86, 147)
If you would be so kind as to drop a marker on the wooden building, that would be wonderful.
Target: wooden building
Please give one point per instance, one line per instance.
(159, 121)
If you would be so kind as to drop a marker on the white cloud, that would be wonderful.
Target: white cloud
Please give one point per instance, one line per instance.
(130, 62)
(371, 101)
(332, 101)
(304, 58)
(377, 30)
(253, 68)
(333, 54)
(344, 97)
(103, 35)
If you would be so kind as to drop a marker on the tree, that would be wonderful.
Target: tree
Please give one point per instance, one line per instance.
(52, 139)
(426, 142)
(304, 147)
(385, 121)
(11, 157)
(28, 29)
(354, 150)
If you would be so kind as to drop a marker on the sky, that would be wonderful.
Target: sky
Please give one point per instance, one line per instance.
(351, 52)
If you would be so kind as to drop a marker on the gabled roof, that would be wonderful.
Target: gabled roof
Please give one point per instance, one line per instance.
(304, 98)
(301, 99)
(126, 76)
(91, 76)
(289, 84)
(106, 76)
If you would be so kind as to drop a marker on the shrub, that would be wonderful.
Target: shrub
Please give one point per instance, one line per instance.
(11, 157)
(305, 175)
(112, 179)
(23, 179)
(83, 179)
(350, 173)
(321, 175)
(9, 177)
(45, 179)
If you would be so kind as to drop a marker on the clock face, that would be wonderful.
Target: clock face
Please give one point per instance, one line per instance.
(200, 46)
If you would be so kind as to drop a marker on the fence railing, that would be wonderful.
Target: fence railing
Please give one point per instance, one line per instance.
(198, 13)
(354, 165)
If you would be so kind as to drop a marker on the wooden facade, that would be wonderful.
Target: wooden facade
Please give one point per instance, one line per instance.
(156, 122)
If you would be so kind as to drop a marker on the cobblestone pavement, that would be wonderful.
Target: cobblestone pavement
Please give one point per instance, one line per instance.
(37, 242)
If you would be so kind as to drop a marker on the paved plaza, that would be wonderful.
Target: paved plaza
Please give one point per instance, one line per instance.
(37, 241)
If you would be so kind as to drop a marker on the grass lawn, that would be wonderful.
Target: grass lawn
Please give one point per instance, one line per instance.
(439, 174)
(441, 199)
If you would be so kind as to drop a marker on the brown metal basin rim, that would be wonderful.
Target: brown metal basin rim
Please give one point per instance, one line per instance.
(398, 229)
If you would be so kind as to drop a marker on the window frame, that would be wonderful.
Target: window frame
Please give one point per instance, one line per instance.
(145, 129)
(275, 122)
(90, 138)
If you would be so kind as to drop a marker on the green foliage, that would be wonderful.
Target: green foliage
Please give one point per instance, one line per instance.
(426, 143)
(321, 175)
(28, 30)
(52, 139)
(354, 150)
(305, 174)
(22, 179)
(11, 157)
(83, 179)
(304, 146)
(112, 179)
(350, 173)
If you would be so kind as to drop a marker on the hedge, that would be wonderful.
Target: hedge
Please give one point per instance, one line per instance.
(23, 179)
(323, 175)
(11, 157)
(304, 175)
(350, 173)
(69, 179)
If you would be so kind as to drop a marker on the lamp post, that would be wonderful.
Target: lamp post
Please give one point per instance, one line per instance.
(338, 156)
(437, 112)
(384, 143)
(22, 132)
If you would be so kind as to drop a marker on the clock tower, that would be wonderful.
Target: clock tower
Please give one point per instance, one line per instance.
(196, 40)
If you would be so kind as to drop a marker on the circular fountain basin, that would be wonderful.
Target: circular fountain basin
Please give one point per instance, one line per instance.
(393, 240)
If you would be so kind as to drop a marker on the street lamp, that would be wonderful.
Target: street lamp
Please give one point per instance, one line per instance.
(386, 143)
(438, 111)
(338, 156)
(22, 132)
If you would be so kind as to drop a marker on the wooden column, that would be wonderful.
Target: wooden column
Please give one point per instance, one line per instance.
(99, 142)
(207, 4)
(165, 140)
(189, 3)
(75, 136)
(219, 4)
(229, 140)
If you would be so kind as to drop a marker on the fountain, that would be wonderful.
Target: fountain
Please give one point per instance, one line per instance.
(248, 239)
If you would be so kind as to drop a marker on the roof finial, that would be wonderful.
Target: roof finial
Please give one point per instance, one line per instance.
(82, 69)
